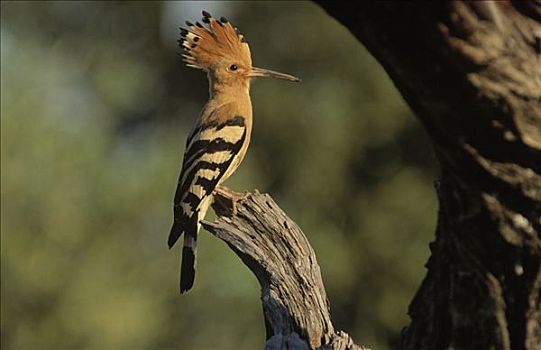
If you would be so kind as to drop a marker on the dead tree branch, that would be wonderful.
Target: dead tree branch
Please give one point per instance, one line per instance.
(275, 249)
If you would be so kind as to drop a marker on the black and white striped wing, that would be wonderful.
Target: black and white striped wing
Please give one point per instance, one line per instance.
(210, 151)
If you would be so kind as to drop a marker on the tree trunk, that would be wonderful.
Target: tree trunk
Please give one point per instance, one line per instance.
(471, 71)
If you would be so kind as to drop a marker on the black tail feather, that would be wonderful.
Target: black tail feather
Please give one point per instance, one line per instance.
(187, 271)
(174, 235)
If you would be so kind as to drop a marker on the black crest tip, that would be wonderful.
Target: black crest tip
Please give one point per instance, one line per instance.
(189, 24)
(206, 14)
(223, 20)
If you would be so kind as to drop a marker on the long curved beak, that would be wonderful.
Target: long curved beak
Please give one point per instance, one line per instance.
(261, 72)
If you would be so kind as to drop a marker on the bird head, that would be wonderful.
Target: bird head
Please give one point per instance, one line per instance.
(219, 49)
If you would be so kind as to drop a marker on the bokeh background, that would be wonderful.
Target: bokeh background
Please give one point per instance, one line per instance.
(95, 109)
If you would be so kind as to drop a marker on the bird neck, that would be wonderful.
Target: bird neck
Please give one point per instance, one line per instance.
(226, 91)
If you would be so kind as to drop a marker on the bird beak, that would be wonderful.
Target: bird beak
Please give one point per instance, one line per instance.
(260, 72)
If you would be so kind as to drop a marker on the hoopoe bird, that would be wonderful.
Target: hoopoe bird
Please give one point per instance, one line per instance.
(218, 142)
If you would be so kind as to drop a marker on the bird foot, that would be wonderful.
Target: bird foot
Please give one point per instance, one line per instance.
(226, 200)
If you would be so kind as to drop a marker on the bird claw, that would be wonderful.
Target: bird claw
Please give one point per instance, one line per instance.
(226, 195)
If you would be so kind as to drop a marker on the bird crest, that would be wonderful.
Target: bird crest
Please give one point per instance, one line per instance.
(205, 46)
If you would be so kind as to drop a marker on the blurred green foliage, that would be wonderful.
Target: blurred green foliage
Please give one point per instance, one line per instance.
(95, 108)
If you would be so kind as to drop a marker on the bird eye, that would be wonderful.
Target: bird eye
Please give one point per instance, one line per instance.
(234, 67)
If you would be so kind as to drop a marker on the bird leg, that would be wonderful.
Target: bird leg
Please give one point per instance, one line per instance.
(225, 200)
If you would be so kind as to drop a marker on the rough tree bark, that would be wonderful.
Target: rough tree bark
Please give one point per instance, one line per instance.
(295, 304)
(471, 71)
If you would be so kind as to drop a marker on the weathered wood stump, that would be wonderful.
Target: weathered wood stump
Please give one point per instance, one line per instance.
(275, 249)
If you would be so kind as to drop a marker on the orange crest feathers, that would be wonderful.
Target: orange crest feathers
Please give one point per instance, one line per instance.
(204, 47)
